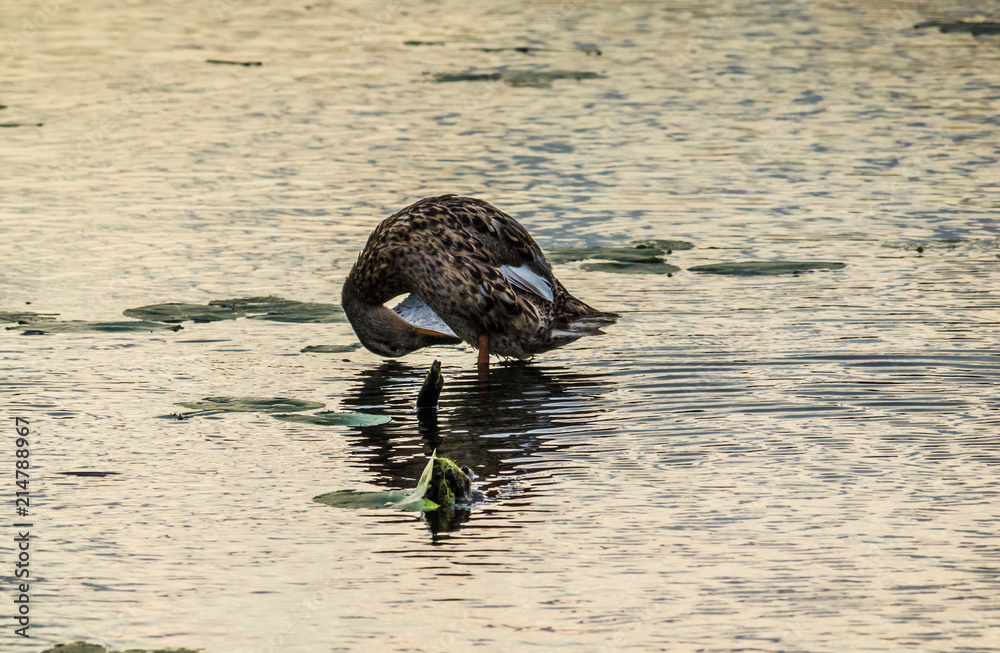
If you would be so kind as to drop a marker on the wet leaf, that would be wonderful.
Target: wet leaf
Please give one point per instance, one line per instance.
(333, 418)
(25, 316)
(640, 251)
(81, 326)
(331, 349)
(400, 499)
(250, 404)
(519, 78)
(755, 268)
(178, 312)
(653, 267)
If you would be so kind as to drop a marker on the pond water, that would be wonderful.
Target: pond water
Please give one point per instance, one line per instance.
(791, 462)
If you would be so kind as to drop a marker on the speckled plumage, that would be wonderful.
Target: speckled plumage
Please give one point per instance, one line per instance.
(451, 252)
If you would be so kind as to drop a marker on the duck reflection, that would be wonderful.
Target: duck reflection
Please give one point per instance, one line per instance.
(485, 425)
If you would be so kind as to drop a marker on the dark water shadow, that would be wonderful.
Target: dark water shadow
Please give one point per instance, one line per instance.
(487, 425)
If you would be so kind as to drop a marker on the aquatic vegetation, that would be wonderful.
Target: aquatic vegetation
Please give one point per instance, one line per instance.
(330, 349)
(430, 391)
(82, 326)
(760, 268)
(640, 257)
(247, 405)
(335, 418)
(442, 484)
(24, 317)
(976, 28)
(519, 78)
(276, 309)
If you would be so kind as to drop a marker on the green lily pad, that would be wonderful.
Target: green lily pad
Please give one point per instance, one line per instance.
(304, 312)
(520, 78)
(640, 251)
(177, 312)
(400, 499)
(652, 267)
(754, 268)
(81, 326)
(25, 317)
(333, 418)
(250, 404)
(331, 349)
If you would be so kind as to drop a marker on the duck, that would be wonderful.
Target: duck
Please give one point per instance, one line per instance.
(471, 274)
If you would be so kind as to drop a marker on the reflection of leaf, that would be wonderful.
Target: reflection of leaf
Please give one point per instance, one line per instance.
(754, 268)
(250, 404)
(330, 349)
(659, 267)
(176, 312)
(80, 326)
(332, 418)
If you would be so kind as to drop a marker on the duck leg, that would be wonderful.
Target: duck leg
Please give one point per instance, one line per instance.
(484, 350)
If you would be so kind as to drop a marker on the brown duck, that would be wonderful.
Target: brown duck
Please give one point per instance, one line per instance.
(473, 274)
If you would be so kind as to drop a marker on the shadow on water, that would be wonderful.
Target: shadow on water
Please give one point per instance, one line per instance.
(489, 426)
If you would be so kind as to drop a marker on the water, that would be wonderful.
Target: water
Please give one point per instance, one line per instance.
(786, 463)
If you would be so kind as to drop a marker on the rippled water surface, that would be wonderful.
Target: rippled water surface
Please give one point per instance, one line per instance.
(796, 462)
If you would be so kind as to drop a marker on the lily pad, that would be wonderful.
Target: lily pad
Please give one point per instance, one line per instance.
(178, 312)
(331, 349)
(304, 312)
(81, 326)
(756, 268)
(641, 251)
(25, 317)
(651, 267)
(333, 418)
(250, 404)
(400, 499)
(520, 78)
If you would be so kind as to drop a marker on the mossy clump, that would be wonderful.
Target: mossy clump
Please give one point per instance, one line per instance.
(450, 484)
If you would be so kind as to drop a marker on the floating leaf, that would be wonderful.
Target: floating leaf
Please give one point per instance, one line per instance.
(177, 312)
(331, 349)
(520, 78)
(641, 251)
(25, 316)
(304, 312)
(333, 418)
(401, 499)
(754, 268)
(669, 245)
(250, 404)
(80, 326)
(652, 267)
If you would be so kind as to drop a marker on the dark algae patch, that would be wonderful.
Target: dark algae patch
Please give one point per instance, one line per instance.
(84, 647)
(976, 28)
(520, 78)
(764, 268)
